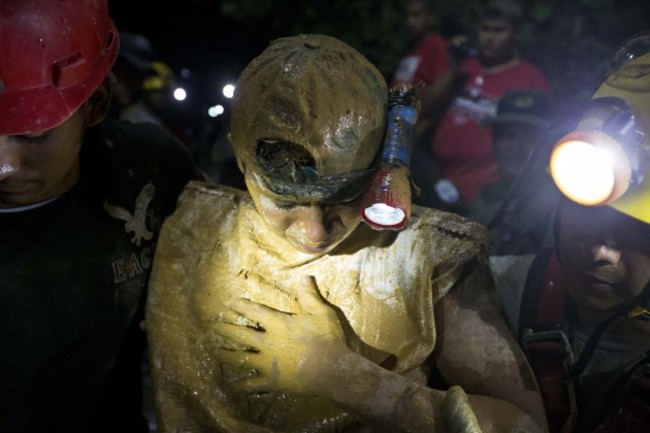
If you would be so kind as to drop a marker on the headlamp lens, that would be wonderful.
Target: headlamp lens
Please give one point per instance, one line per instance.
(583, 172)
(387, 203)
(384, 215)
(590, 168)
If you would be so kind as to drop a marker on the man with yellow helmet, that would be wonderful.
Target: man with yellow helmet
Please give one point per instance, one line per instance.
(156, 98)
(582, 310)
(278, 310)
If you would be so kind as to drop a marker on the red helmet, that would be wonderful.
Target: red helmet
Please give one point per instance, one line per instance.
(53, 56)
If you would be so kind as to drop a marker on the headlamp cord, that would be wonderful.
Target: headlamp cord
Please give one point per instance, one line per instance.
(535, 155)
(622, 121)
(594, 338)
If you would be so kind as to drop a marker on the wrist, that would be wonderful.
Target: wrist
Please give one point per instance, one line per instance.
(322, 370)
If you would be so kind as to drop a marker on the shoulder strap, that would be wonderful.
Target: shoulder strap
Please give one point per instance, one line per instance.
(543, 309)
(544, 299)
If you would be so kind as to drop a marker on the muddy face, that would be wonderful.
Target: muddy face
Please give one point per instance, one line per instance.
(312, 228)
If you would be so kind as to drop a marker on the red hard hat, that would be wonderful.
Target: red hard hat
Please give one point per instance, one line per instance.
(53, 55)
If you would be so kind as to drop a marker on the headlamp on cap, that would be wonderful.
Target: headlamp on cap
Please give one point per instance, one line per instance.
(606, 160)
(387, 203)
(601, 161)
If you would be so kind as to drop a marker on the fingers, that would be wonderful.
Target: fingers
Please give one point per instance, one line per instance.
(237, 358)
(237, 318)
(250, 379)
(257, 314)
(308, 296)
(251, 385)
(458, 414)
(242, 335)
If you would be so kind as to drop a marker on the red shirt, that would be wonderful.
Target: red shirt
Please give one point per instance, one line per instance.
(426, 62)
(461, 146)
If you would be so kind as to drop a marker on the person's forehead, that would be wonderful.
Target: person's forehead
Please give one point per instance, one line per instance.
(606, 216)
(65, 128)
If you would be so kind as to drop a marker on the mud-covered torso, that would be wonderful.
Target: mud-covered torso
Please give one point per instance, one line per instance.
(384, 284)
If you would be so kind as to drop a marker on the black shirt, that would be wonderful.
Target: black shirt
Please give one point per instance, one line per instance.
(73, 277)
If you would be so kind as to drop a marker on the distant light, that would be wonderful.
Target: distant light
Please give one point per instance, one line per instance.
(180, 94)
(215, 110)
(229, 90)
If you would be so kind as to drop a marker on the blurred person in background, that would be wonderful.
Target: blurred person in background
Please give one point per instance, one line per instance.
(523, 225)
(426, 60)
(156, 100)
(82, 198)
(133, 63)
(158, 105)
(468, 95)
(426, 57)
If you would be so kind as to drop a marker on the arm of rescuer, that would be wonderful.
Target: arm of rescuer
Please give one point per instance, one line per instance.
(436, 97)
(475, 352)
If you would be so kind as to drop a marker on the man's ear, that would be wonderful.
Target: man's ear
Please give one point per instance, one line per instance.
(240, 163)
(97, 105)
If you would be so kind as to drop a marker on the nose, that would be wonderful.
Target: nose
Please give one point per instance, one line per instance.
(314, 225)
(10, 158)
(605, 251)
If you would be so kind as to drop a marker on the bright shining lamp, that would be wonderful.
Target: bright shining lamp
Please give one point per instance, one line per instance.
(590, 168)
(387, 203)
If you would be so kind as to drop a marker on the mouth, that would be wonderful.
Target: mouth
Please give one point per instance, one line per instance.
(14, 188)
(602, 282)
(314, 249)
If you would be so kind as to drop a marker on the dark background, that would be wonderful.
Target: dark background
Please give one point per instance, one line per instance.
(570, 40)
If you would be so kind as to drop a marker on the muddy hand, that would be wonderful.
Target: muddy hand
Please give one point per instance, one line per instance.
(286, 349)
(457, 413)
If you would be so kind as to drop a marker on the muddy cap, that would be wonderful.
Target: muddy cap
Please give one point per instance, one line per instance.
(309, 113)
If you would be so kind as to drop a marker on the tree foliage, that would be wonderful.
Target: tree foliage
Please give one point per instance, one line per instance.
(571, 40)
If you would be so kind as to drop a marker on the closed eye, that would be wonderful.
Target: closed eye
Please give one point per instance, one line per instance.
(284, 205)
(33, 138)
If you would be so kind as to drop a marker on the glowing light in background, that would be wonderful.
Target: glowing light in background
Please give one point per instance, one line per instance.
(228, 90)
(215, 110)
(180, 94)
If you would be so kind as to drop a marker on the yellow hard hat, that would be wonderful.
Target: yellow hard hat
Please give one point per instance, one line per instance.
(161, 78)
(606, 160)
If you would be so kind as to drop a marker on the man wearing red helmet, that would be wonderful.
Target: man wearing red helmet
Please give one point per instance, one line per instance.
(81, 201)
